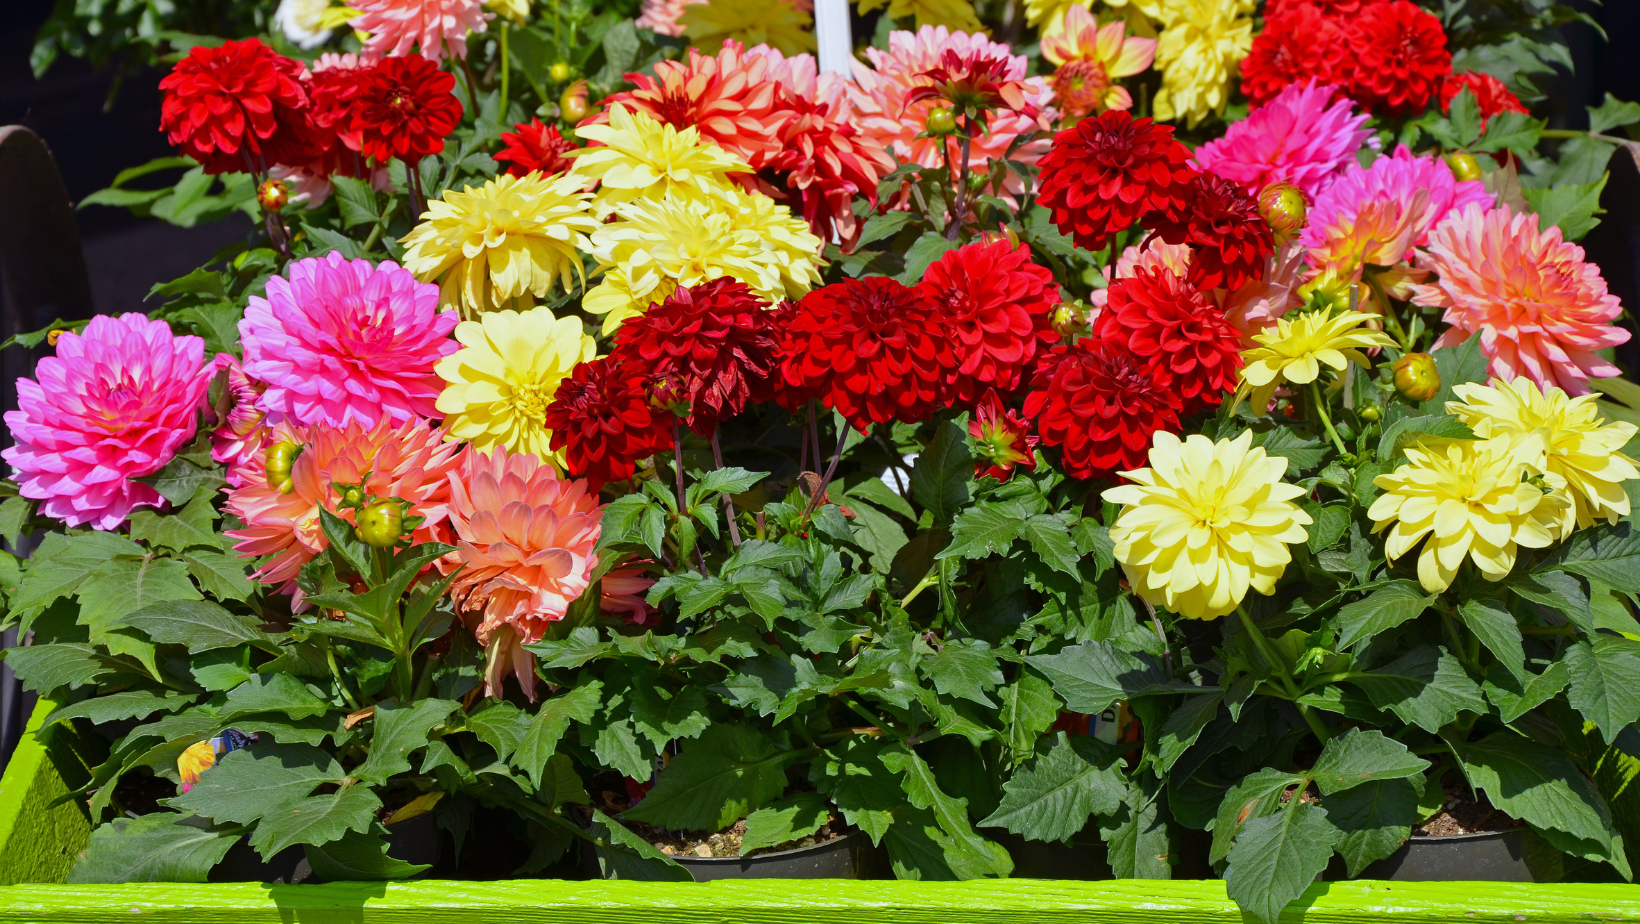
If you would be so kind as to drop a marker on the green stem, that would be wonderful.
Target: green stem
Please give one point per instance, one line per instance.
(1387, 310)
(929, 580)
(1260, 643)
(506, 69)
(1320, 403)
(1573, 133)
(336, 673)
(864, 713)
(472, 86)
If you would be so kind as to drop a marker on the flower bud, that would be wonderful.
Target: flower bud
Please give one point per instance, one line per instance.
(1069, 319)
(1284, 207)
(353, 497)
(272, 195)
(1464, 165)
(559, 72)
(381, 523)
(667, 393)
(573, 104)
(1415, 376)
(278, 459)
(52, 335)
(941, 121)
(1369, 413)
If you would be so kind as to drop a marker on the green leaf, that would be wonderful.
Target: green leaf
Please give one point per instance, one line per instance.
(621, 48)
(281, 693)
(220, 574)
(1456, 365)
(181, 479)
(1358, 757)
(616, 745)
(1558, 591)
(1029, 708)
(942, 481)
(1426, 687)
(1513, 130)
(358, 856)
(966, 669)
(1301, 452)
(1091, 676)
(729, 480)
(1183, 726)
(984, 529)
(550, 723)
(500, 725)
(123, 586)
(1535, 783)
(162, 847)
(1409, 430)
(63, 562)
(1609, 554)
(14, 513)
(1329, 522)
(661, 715)
(44, 668)
(923, 252)
(917, 847)
(356, 199)
(878, 227)
(795, 816)
(581, 646)
(873, 491)
(853, 775)
(1256, 796)
(1465, 116)
(131, 704)
(1373, 820)
(1383, 609)
(1612, 113)
(1495, 626)
(198, 624)
(316, 820)
(1052, 798)
(727, 772)
(1051, 541)
(190, 526)
(251, 783)
(399, 730)
(1137, 842)
(624, 855)
(1571, 207)
(1605, 682)
(1514, 699)
(1277, 857)
(967, 854)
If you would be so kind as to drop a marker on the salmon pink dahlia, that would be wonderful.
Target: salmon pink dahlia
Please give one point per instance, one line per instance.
(116, 403)
(397, 27)
(408, 460)
(1098, 403)
(525, 538)
(236, 108)
(1104, 174)
(998, 306)
(343, 341)
(1540, 310)
(1300, 137)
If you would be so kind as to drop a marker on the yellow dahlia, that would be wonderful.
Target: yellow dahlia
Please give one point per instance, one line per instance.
(1470, 498)
(516, 10)
(640, 158)
(955, 14)
(1048, 16)
(1296, 348)
(491, 247)
(1201, 43)
(1206, 522)
(506, 374)
(1569, 437)
(777, 23)
(790, 251)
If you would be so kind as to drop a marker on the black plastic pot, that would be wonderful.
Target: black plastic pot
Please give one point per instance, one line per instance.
(851, 856)
(1084, 857)
(413, 841)
(1492, 856)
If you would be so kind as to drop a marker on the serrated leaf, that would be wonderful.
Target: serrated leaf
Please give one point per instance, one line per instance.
(1358, 757)
(942, 481)
(1560, 592)
(1514, 699)
(581, 646)
(250, 783)
(44, 668)
(1381, 610)
(1051, 541)
(356, 199)
(922, 253)
(984, 529)
(1512, 130)
(874, 491)
(121, 587)
(1373, 820)
(729, 480)
(661, 715)
(181, 479)
(965, 668)
(1612, 113)
(131, 704)
(1302, 453)
(1409, 430)
(316, 820)
(1605, 682)
(1609, 554)
(1535, 783)
(1257, 795)
(1571, 207)
(1183, 726)
(853, 775)
(727, 772)
(358, 856)
(1029, 708)
(1052, 798)
(397, 731)
(1137, 841)
(221, 574)
(198, 624)
(502, 726)
(63, 562)
(179, 531)
(281, 693)
(1327, 526)
(624, 855)
(1091, 676)
(787, 819)
(1427, 687)
(162, 847)
(967, 854)
(1464, 362)
(1495, 626)
(1276, 857)
(549, 724)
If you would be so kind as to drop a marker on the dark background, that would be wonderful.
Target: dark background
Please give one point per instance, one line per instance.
(95, 134)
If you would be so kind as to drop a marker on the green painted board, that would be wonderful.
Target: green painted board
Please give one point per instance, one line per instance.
(37, 842)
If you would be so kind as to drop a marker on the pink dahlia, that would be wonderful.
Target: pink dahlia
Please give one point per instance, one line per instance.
(238, 437)
(1299, 138)
(525, 537)
(408, 460)
(114, 404)
(661, 16)
(344, 341)
(887, 112)
(1396, 178)
(397, 26)
(621, 593)
(1541, 311)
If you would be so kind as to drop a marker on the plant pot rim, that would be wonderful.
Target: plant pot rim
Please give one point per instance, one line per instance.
(834, 843)
(1471, 836)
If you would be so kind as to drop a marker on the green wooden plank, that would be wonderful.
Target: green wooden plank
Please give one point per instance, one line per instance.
(805, 901)
(38, 844)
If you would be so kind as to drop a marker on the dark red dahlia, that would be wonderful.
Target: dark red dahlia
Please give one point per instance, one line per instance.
(534, 146)
(869, 348)
(405, 109)
(1098, 403)
(1398, 58)
(1298, 44)
(1334, 8)
(602, 421)
(1221, 222)
(1490, 94)
(236, 108)
(332, 92)
(1103, 174)
(998, 307)
(717, 340)
(1189, 346)
(1002, 438)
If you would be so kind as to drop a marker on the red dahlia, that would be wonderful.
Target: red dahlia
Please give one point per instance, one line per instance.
(1490, 94)
(869, 348)
(998, 306)
(534, 147)
(1222, 222)
(1103, 174)
(1187, 343)
(1296, 45)
(1002, 438)
(717, 341)
(1398, 57)
(602, 421)
(1335, 8)
(404, 109)
(1097, 401)
(974, 82)
(332, 92)
(236, 108)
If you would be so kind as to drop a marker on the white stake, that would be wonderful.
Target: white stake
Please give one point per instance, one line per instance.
(831, 32)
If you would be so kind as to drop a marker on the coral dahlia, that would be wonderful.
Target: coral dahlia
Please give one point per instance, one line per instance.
(1098, 403)
(236, 108)
(1298, 138)
(405, 109)
(534, 147)
(1101, 176)
(998, 307)
(1189, 345)
(602, 421)
(1399, 59)
(436, 26)
(116, 403)
(1002, 439)
(1089, 59)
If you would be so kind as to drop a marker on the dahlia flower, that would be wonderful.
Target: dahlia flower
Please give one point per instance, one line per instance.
(236, 108)
(302, 22)
(240, 435)
(1088, 60)
(1298, 138)
(1101, 176)
(1470, 499)
(1569, 437)
(717, 341)
(504, 376)
(955, 14)
(975, 82)
(525, 538)
(1098, 403)
(870, 348)
(1398, 57)
(1186, 341)
(507, 240)
(621, 593)
(343, 341)
(998, 308)
(778, 23)
(406, 460)
(1197, 54)
(1299, 44)
(1002, 440)
(1251, 309)
(1491, 96)
(536, 147)
(116, 403)
(404, 109)
(1541, 311)
(884, 111)
(1205, 523)
(1397, 178)
(1222, 223)
(398, 26)
(516, 10)
(602, 421)
(637, 157)
(1296, 349)
(661, 16)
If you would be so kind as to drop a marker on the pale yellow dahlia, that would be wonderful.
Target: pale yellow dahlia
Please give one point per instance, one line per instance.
(1569, 437)
(516, 10)
(789, 249)
(1296, 348)
(1200, 46)
(955, 14)
(1048, 16)
(1205, 523)
(1470, 498)
(640, 158)
(777, 23)
(493, 246)
(506, 374)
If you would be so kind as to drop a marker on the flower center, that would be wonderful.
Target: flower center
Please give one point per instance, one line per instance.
(400, 100)
(531, 400)
(1079, 86)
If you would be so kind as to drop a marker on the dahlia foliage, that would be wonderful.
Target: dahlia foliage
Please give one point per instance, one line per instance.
(1195, 397)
